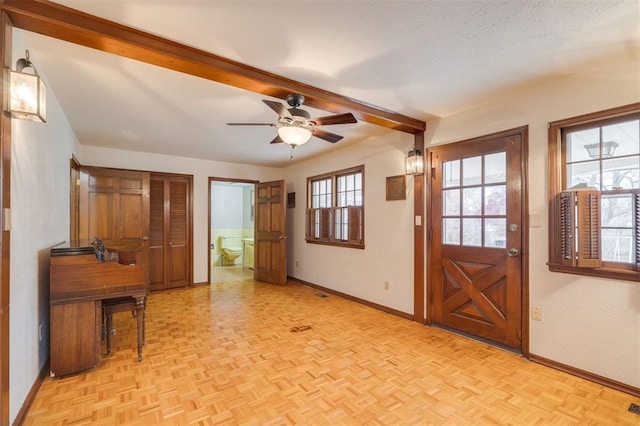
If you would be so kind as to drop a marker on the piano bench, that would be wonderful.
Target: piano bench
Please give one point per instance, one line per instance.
(113, 306)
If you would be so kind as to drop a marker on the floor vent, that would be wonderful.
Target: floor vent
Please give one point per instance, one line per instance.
(321, 295)
(634, 408)
(300, 328)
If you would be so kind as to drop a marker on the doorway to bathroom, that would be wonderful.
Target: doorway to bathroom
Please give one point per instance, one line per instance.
(231, 230)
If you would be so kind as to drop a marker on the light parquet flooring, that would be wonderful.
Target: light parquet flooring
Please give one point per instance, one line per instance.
(251, 353)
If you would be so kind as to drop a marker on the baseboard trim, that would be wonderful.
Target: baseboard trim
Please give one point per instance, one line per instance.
(354, 299)
(622, 387)
(20, 417)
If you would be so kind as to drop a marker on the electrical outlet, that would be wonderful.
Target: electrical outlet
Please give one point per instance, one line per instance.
(536, 313)
(40, 333)
(386, 285)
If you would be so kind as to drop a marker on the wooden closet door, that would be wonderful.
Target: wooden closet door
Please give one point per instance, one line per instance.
(170, 245)
(270, 259)
(114, 206)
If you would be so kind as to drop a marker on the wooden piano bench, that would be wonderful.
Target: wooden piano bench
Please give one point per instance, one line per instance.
(121, 304)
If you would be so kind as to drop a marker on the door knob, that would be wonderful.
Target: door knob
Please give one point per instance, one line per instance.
(282, 237)
(145, 238)
(513, 252)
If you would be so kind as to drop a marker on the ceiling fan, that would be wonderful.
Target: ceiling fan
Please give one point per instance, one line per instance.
(295, 126)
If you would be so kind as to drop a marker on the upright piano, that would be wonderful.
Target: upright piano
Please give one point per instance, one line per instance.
(78, 284)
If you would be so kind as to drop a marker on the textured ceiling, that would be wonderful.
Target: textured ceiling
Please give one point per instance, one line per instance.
(419, 58)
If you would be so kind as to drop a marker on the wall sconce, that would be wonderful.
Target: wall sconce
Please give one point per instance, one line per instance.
(608, 149)
(414, 163)
(28, 94)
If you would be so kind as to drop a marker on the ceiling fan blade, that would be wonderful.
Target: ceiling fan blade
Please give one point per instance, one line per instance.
(335, 119)
(251, 124)
(279, 108)
(277, 139)
(327, 136)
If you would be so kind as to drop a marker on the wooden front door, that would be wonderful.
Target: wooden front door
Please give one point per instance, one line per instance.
(170, 232)
(476, 234)
(114, 206)
(270, 261)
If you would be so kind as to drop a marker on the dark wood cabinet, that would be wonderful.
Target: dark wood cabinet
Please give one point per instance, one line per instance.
(78, 285)
(170, 231)
(75, 336)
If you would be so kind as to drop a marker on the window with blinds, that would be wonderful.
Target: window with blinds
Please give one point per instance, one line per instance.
(594, 225)
(335, 208)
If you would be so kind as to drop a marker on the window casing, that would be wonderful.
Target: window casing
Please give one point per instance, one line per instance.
(594, 217)
(335, 208)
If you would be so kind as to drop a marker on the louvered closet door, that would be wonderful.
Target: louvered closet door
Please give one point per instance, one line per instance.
(156, 236)
(177, 259)
(170, 247)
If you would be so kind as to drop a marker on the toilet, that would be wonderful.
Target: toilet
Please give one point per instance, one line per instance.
(229, 251)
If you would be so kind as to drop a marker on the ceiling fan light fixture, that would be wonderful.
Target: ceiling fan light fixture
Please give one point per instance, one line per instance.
(294, 135)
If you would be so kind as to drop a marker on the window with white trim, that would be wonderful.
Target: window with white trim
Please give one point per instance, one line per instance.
(335, 208)
(594, 222)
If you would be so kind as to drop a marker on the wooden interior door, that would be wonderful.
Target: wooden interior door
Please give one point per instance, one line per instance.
(476, 227)
(170, 240)
(114, 206)
(270, 257)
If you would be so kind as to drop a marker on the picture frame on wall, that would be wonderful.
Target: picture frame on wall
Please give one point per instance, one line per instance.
(396, 188)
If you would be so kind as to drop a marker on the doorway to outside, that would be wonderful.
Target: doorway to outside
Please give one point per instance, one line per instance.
(231, 230)
(478, 238)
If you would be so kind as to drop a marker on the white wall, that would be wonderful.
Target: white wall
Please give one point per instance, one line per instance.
(388, 253)
(201, 171)
(226, 206)
(40, 156)
(591, 324)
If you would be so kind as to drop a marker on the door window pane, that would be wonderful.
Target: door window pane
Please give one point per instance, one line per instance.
(472, 201)
(495, 168)
(451, 231)
(495, 233)
(472, 232)
(451, 173)
(495, 200)
(471, 171)
(451, 202)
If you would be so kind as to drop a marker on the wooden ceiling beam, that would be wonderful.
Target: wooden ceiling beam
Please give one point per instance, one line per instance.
(63, 23)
